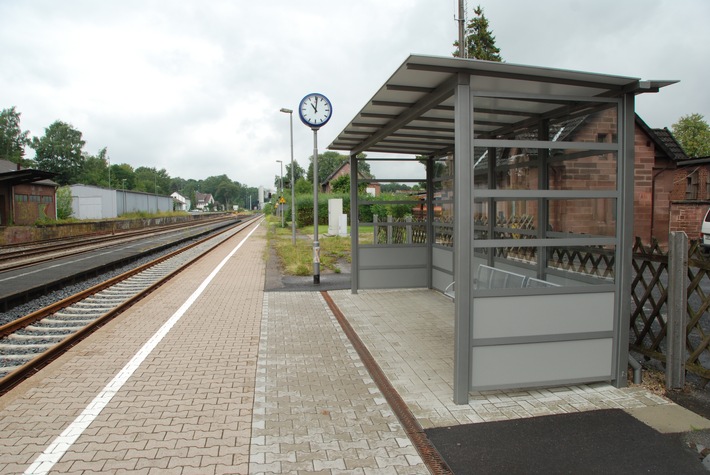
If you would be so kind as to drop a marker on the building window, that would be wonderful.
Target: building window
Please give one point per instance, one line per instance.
(47, 199)
(691, 186)
(34, 198)
(21, 198)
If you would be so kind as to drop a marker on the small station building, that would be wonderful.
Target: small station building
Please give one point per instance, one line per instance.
(529, 170)
(26, 195)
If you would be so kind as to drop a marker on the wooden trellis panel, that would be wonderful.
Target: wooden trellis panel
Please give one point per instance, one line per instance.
(649, 293)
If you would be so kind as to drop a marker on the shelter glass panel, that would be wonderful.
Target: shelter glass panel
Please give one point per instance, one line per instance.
(567, 169)
(392, 223)
(598, 123)
(565, 218)
(516, 267)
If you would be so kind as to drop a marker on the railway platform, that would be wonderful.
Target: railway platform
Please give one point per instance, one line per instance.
(213, 374)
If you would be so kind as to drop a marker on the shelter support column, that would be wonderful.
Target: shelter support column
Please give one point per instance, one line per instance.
(430, 237)
(543, 183)
(354, 226)
(492, 214)
(463, 235)
(625, 230)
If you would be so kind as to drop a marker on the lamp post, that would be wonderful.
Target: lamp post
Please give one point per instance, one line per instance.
(124, 194)
(281, 192)
(293, 183)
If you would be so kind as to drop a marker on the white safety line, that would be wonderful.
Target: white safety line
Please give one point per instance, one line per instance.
(54, 452)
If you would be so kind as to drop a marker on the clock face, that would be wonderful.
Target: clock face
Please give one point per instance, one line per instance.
(315, 110)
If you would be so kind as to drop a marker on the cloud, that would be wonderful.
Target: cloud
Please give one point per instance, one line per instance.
(196, 87)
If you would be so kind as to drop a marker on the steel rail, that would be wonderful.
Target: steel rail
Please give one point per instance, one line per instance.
(430, 456)
(42, 359)
(87, 243)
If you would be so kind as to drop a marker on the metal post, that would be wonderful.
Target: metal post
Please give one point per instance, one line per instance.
(293, 184)
(543, 213)
(430, 236)
(281, 191)
(624, 233)
(316, 244)
(462, 27)
(293, 187)
(463, 236)
(354, 227)
(677, 305)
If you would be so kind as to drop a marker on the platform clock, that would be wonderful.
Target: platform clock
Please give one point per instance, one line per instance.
(315, 110)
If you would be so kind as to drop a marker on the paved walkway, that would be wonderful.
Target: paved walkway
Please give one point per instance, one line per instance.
(317, 409)
(411, 334)
(218, 376)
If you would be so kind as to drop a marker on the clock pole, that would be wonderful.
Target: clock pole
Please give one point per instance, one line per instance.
(315, 111)
(316, 244)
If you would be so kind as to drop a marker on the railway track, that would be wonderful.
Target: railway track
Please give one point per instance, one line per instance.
(31, 342)
(21, 255)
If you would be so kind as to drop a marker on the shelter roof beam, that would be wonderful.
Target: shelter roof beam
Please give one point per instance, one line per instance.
(426, 103)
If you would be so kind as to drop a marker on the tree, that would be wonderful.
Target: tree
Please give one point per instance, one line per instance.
(95, 169)
(298, 172)
(60, 151)
(330, 161)
(342, 185)
(12, 138)
(122, 177)
(150, 180)
(693, 134)
(303, 186)
(480, 42)
(227, 193)
(394, 187)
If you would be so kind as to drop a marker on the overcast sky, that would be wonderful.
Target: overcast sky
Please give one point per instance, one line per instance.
(195, 87)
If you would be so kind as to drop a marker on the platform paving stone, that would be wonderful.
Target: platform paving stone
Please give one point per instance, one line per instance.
(410, 333)
(186, 409)
(316, 409)
(264, 382)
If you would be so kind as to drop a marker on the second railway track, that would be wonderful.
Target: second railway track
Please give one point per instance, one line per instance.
(31, 342)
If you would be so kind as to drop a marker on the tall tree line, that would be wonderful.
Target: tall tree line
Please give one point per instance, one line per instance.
(61, 150)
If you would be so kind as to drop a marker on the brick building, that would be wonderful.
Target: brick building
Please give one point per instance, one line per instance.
(26, 195)
(344, 169)
(670, 192)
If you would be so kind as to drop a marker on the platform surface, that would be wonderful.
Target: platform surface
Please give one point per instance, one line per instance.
(246, 381)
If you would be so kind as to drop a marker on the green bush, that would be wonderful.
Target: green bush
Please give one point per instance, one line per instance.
(304, 208)
(64, 209)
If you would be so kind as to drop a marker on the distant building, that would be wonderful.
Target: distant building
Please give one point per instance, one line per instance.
(204, 201)
(26, 195)
(344, 169)
(180, 203)
(93, 202)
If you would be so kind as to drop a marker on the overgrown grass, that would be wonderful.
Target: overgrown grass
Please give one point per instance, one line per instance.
(298, 259)
(123, 217)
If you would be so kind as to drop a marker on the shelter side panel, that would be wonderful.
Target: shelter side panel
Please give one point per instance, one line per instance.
(541, 364)
(527, 341)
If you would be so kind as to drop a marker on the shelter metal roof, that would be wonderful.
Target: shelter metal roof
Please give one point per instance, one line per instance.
(11, 175)
(413, 112)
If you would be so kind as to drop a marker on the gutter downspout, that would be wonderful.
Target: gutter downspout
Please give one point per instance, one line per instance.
(653, 199)
(637, 369)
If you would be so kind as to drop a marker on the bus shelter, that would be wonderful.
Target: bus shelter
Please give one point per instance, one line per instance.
(527, 217)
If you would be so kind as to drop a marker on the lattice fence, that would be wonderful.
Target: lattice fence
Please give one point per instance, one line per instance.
(649, 294)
